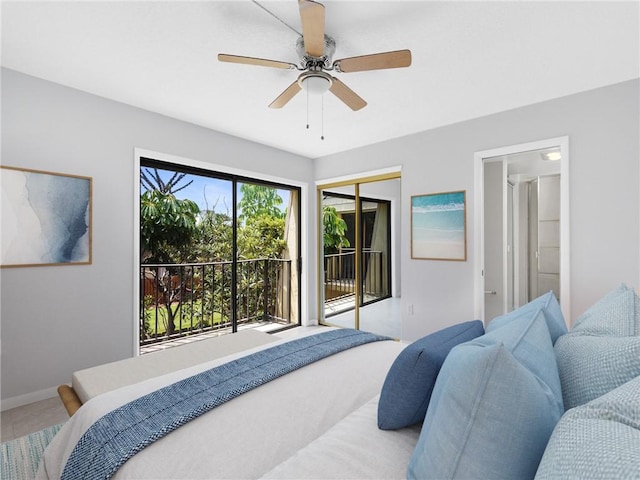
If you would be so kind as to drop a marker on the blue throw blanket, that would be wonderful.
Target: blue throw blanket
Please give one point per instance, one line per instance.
(123, 432)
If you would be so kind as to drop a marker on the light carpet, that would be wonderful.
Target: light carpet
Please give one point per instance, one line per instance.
(19, 458)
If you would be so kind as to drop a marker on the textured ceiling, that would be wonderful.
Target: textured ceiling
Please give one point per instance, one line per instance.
(469, 59)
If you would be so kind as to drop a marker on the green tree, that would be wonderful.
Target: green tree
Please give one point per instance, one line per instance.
(261, 237)
(260, 240)
(214, 243)
(334, 229)
(167, 225)
(214, 239)
(167, 229)
(174, 231)
(259, 200)
(151, 180)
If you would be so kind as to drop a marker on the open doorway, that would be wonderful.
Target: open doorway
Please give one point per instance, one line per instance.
(522, 226)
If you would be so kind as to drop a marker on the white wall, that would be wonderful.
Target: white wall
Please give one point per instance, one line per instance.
(56, 320)
(603, 130)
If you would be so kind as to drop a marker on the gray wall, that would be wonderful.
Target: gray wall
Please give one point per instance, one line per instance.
(603, 130)
(56, 320)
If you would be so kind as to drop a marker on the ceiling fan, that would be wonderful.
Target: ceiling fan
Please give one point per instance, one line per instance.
(315, 50)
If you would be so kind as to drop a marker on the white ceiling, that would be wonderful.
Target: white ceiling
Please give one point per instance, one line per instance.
(469, 59)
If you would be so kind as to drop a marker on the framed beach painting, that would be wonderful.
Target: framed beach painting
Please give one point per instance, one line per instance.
(46, 218)
(438, 226)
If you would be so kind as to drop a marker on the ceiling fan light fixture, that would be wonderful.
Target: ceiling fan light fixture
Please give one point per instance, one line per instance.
(316, 83)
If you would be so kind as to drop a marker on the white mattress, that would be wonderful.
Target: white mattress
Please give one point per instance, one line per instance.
(250, 435)
(353, 449)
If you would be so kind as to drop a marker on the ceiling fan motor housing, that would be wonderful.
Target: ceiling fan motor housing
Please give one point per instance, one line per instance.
(324, 62)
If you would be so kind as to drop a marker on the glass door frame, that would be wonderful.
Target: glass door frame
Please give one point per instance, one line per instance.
(146, 158)
(367, 262)
(355, 183)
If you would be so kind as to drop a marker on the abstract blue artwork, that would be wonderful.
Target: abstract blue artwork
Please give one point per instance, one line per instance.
(438, 226)
(46, 218)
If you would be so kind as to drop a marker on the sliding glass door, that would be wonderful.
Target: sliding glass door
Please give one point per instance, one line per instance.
(339, 221)
(219, 253)
(267, 252)
(356, 258)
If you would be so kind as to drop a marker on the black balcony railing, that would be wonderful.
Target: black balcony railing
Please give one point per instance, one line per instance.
(193, 298)
(340, 276)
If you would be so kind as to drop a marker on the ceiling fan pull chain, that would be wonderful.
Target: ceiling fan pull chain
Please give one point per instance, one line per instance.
(322, 118)
(307, 109)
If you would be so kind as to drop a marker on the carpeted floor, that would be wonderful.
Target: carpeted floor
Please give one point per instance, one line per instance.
(19, 458)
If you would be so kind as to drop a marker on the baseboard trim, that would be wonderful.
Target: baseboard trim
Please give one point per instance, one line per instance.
(27, 398)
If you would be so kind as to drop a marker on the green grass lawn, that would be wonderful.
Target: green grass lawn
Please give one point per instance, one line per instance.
(183, 318)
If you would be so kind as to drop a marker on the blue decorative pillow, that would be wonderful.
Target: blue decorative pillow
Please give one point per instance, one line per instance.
(591, 366)
(602, 351)
(598, 440)
(407, 389)
(553, 315)
(614, 315)
(494, 406)
(526, 338)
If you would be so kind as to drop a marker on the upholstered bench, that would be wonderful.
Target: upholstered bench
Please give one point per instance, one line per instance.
(87, 383)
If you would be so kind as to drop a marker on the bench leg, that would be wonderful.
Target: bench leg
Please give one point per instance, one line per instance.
(69, 399)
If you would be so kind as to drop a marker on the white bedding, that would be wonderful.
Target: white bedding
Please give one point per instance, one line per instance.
(353, 449)
(250, 435)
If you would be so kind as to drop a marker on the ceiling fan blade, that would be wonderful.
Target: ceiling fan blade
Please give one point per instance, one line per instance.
(312, 16)
(348, 96)
(223, 57)
(376, 61)
(285, 96)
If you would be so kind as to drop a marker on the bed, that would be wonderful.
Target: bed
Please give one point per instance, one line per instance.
(318, 421)
(524, 399)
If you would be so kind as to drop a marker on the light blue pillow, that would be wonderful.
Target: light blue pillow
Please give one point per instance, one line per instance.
(527, 337)
(591, 366)
(407, 388)
(553, 315)
(614, 315)
(599, 440)
(495, 403)
(607, 299)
